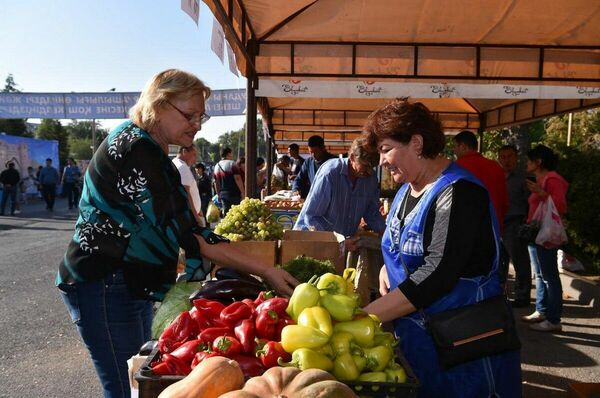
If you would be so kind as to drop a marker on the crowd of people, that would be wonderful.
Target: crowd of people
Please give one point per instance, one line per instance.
(40, 184)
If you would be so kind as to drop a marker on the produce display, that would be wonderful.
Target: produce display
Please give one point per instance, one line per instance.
(285, 204)
(250, 220)
(306, 344)
(333, 334)
(303, 267)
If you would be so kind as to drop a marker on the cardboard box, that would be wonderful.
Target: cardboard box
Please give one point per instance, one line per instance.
(266, 250)
(285, 217)
(316, 244)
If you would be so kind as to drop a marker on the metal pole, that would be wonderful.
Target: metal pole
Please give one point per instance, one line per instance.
(93, 136)
(252, 84)
(569, 129)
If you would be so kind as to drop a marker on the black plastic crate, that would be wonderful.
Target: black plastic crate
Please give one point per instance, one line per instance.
(151, 385)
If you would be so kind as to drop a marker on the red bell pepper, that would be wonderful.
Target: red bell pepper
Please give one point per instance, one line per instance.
(202, 319)
(251, 366)
(171, 365)
(214, 308)
(250, 303)
(201, 356)
(281, 323)
(188, 350)
(277, 304)
(271, 352)
(235, 312)
(207, 336)
(266, 324)
(177, 333)
(262, 296)
(227, 346)
(244, 331)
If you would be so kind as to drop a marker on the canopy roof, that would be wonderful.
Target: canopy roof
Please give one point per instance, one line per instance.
(321, 66)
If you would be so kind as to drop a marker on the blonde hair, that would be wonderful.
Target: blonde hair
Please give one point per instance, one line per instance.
(163, 87)
(361, 150)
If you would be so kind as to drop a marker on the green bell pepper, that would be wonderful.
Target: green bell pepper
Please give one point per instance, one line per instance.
(331, 284)
(305, 295)
(316, 317)
(395, 373)
(378, 357)
(385, 338)
(373, 377)
(341, 307)
(344, 342)
(362, 329)
(294, 337)
(344, 368)
(360, 361)
(305, 358)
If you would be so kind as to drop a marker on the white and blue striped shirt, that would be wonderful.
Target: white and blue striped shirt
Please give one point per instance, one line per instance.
(333, 204)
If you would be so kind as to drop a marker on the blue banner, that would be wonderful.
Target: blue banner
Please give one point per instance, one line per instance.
(25, 152)
(101, 105)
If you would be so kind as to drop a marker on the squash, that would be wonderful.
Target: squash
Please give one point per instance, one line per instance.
(211, 378)
(291, 382)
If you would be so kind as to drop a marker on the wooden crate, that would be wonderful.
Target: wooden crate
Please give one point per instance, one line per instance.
(316, 244)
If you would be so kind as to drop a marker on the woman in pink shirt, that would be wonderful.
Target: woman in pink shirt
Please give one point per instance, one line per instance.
(541, 161)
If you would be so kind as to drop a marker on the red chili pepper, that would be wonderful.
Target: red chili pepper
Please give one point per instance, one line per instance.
(277, 304)
(227, 346)
(244, 331)
(209, 335)
(281, 323)
(262, 296)
(266, 324)
(177, 333)
(201, 356)
(235, 312)
(251, 366)
(271, 352)
(188, 350)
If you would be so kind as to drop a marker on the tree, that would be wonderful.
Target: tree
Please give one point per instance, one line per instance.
(51, 129)
(83, 129)
(207, 151)
(81, 148)
(13, 126)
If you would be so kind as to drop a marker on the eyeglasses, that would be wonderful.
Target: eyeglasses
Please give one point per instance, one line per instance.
(191, 119)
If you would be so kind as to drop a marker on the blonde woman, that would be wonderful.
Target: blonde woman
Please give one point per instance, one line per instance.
(134, 216)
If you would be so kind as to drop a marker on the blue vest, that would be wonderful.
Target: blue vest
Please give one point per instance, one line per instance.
(403, 253)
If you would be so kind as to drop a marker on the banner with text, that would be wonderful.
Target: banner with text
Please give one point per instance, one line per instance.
(101, 105)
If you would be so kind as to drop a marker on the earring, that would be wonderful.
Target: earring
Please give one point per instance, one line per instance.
(419, 157)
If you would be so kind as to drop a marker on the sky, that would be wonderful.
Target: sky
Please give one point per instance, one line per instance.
(94, 46)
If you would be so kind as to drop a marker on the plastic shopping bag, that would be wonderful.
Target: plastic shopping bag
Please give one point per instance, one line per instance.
(212, 213)
(552, 233)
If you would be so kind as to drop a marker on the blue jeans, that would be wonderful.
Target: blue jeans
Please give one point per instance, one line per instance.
(9, 192)
(548, 288)
(112, 324)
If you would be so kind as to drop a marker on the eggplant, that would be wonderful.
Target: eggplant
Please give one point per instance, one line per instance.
(228, 273)
(228, 290)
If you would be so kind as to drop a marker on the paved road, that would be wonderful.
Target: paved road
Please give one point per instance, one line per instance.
(42, 356)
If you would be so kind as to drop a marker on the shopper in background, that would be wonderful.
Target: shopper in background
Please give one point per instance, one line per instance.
(440, 252)
(261, 175)
(69, 181)
(319, 155)
(344, 191)
(10, 179)
(204, 186)
(228, 181)
(186, 157)
(134, 216)
(297, 160)
(30, 185)
(541, 162)
(48, 180)
(281, 171)
(516, 216)
(241, 164)
(486, 170)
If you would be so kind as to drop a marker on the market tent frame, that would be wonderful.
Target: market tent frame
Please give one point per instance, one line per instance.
(321, 66)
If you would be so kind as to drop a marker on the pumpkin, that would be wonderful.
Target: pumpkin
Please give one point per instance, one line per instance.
(291, 382)
(211, 378)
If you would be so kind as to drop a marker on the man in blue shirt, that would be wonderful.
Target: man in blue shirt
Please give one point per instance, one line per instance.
(343, 192)
(48, 181)
(70, 181)
(319, 155)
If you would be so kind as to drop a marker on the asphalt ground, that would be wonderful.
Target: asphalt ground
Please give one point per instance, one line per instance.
(41, 354)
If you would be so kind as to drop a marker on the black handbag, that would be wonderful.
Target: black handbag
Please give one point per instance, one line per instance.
(475, 331)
